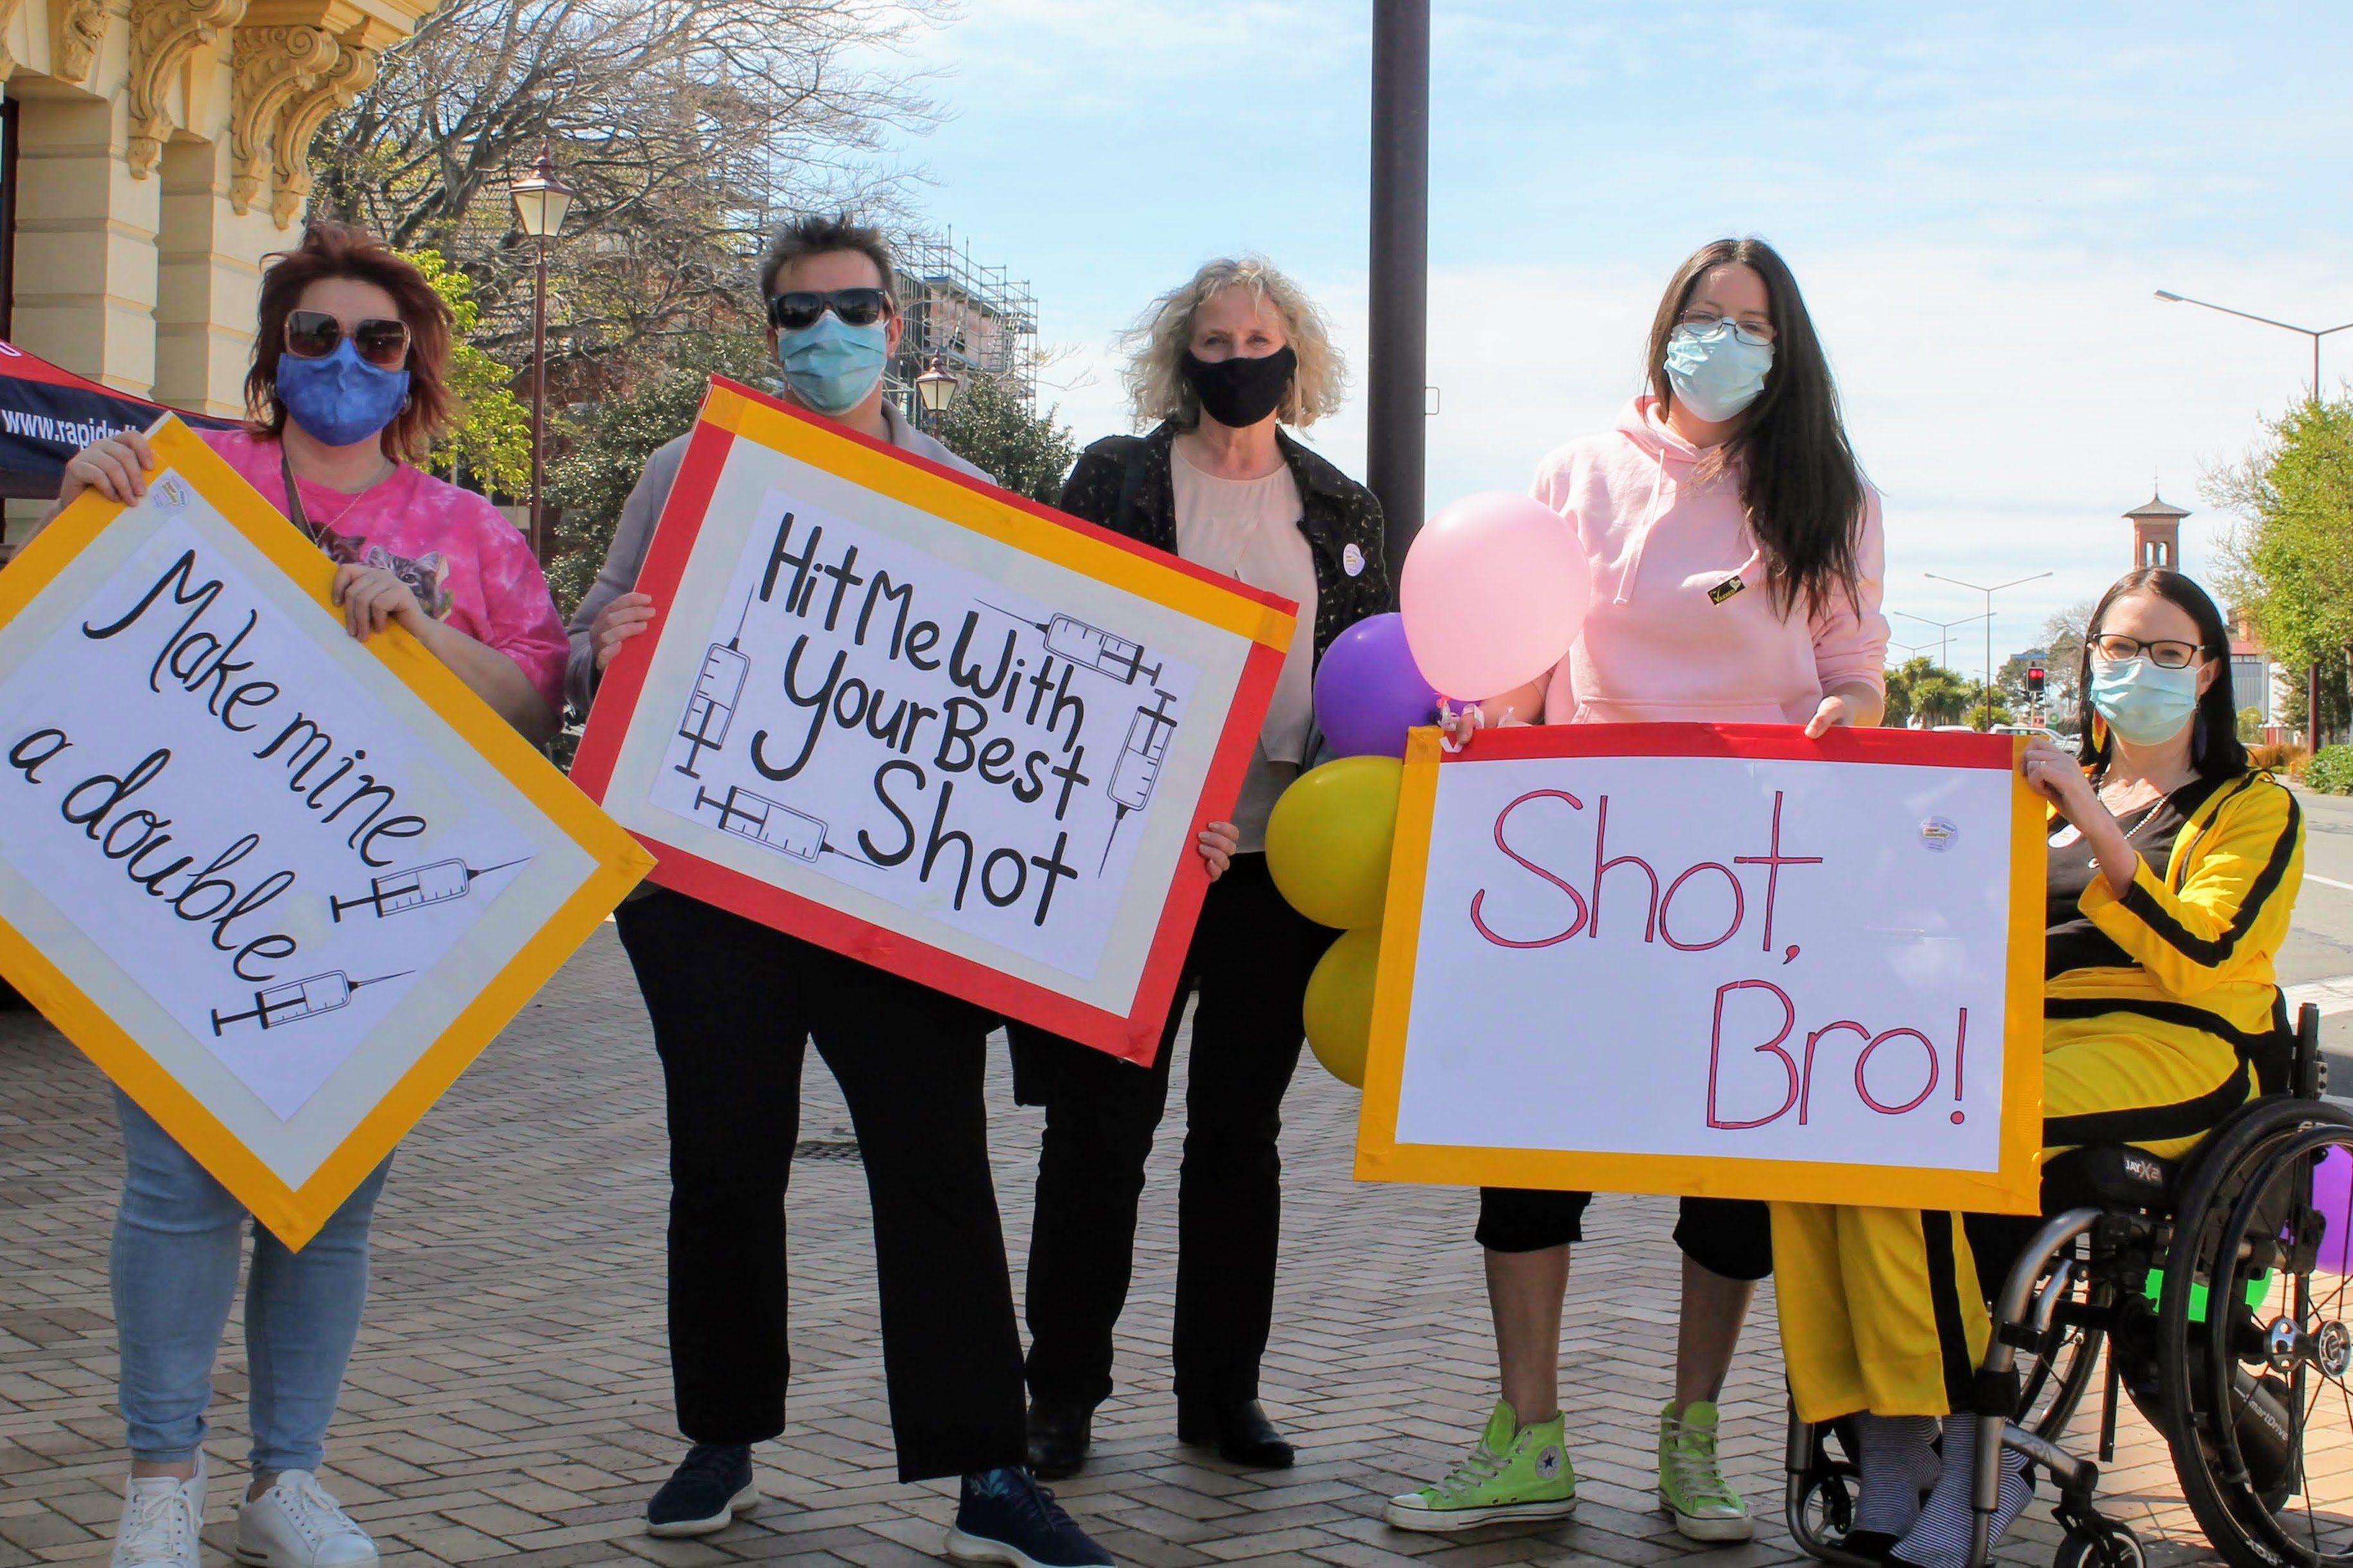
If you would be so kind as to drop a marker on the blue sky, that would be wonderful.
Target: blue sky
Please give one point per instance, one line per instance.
(1978, 199)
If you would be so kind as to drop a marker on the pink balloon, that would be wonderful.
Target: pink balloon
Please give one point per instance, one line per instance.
(1493, 593)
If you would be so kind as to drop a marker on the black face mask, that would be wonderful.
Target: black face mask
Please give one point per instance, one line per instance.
(1241, 392)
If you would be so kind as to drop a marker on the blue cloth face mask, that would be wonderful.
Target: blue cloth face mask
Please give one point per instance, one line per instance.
(2144, 703)
(341, 399)
(831, 365)
(1715, 373)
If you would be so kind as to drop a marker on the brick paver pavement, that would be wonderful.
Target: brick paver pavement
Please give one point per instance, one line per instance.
(510, 1395)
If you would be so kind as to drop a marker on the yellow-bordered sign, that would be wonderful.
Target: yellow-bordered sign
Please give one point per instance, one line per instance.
(1384, 1154)
(582, 864)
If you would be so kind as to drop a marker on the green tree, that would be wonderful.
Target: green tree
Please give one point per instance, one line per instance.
(1921, 687)
(611, 440)
(489, 441)
(2288, 566)
(992, 423)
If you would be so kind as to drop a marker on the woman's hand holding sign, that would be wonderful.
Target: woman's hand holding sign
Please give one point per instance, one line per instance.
(618, 622)
(1218, 842)
(116, 467)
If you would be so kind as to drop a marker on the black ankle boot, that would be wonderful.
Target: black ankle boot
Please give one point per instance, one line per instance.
(1060, 1437)
(1239, 1429)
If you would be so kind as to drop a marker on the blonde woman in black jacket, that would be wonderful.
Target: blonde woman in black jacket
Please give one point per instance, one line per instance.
(1220, 366)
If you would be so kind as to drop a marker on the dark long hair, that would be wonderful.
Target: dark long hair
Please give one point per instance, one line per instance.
(2217, 754)
(1799, 478)
(342, 250)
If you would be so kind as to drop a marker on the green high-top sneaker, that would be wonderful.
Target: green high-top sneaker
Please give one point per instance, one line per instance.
(1692, 1488)
(1515, 1472)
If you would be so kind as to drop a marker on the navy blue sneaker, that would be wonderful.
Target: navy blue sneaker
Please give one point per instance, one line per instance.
(711, 1485)
(1006, 1517)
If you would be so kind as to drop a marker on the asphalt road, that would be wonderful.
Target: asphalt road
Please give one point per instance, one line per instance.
(2320, 943)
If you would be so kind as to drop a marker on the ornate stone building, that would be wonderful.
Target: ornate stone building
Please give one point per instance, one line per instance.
(152, 151)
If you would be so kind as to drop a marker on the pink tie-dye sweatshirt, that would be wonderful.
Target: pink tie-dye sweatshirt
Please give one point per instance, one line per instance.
(468, 565)
(1669, 637)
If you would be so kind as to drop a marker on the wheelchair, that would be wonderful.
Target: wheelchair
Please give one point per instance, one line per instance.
(2202, 1280)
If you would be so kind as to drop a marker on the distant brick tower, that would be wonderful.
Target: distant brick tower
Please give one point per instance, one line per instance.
(2157, 534)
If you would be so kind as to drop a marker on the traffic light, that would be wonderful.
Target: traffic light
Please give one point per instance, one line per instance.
(2035, 683)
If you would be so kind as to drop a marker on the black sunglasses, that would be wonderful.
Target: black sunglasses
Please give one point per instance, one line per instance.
(800, 308)
(314, 334)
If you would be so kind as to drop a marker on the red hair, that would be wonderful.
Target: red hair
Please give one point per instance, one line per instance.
(339, 250)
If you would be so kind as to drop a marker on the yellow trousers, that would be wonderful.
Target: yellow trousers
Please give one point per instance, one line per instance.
(1882, 1309)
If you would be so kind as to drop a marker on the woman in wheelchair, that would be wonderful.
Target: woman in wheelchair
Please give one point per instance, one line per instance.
(2173, 867)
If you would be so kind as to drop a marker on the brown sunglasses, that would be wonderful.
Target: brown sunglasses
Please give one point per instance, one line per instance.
(314, 334)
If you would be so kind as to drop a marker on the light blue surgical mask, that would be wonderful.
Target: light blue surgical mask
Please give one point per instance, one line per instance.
(1715, 369)
(341, 399)
(830, 365)
(2144, 702)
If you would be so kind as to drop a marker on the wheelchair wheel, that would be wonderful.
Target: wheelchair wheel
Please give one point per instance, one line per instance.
(1819, 1502)
(2110, 1545)
(2255, 1349)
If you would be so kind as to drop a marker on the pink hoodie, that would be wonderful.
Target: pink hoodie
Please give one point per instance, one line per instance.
(1655, 645)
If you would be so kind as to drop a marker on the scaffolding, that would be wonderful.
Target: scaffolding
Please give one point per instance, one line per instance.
(976, 319)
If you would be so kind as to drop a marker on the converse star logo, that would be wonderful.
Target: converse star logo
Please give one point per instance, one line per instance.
(1548, 1463)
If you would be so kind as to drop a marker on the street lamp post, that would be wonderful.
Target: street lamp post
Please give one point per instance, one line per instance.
(934, 390)
(2315, 334)
(1398, 350)
(2312, 674)
(1943, 634)
(541, 200)
(1988, 593)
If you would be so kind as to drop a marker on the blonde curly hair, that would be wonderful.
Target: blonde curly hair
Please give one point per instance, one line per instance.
(1156, 346)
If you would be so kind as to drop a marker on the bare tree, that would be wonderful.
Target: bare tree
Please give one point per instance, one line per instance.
(683, 124)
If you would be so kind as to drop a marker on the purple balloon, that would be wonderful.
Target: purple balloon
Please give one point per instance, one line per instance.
(1368, 691)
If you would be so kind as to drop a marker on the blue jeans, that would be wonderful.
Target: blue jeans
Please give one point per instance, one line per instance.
(175, 1266)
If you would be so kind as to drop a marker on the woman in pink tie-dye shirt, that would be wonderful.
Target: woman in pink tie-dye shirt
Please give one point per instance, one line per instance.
(344, 393)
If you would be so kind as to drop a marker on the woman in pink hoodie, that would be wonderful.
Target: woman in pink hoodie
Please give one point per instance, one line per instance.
(1736, 556)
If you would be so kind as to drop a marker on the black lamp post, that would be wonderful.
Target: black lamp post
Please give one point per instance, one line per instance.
(1397, 353)
(541, 200)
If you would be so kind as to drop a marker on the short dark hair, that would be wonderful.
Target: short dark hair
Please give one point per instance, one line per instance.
(817, 234)
(343, 250)
(2217, 752)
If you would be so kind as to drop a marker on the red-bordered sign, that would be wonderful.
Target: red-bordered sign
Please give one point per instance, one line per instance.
(763, 851)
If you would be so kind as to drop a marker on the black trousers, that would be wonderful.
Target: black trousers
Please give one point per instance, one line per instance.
(733, 1004)
(1731, 1237)
(1249, 963)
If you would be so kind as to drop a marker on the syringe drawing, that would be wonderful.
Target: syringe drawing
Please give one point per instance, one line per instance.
(1090, 647)
(711, 706)
(768, 822)
(395, 892)
(275, 1006)
(1138, 768)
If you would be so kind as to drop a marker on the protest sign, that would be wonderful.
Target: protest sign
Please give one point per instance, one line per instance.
(281, 885)
(929, 723)
(1718, 960)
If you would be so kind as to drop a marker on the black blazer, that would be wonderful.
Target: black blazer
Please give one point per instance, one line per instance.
(1123, 482)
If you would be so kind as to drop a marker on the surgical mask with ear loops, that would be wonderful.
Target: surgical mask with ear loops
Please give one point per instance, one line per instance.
(1715, 368)
(2144, 702)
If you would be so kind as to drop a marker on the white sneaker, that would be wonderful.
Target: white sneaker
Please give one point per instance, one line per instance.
(295, 1524)
(161, 1518)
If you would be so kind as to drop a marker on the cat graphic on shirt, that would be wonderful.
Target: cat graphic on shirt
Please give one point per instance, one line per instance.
(423, 577)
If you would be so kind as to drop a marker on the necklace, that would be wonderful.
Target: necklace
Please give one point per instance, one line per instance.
(299, 513)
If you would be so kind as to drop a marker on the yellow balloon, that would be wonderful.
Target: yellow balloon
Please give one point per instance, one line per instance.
(1328, 843)
(1339, 1007)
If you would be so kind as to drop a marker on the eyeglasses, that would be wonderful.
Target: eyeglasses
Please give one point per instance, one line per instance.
(800, 308)
(314, 334)
(1700, 325)
(2114, 648)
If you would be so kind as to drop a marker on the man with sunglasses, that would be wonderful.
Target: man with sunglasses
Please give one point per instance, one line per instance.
(733, 1004)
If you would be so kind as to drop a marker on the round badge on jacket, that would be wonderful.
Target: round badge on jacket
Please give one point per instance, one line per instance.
(1352, 561)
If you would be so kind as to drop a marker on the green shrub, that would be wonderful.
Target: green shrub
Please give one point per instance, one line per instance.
(2330, 771)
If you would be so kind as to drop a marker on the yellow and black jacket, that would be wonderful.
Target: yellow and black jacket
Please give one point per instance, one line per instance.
(2191, 948)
